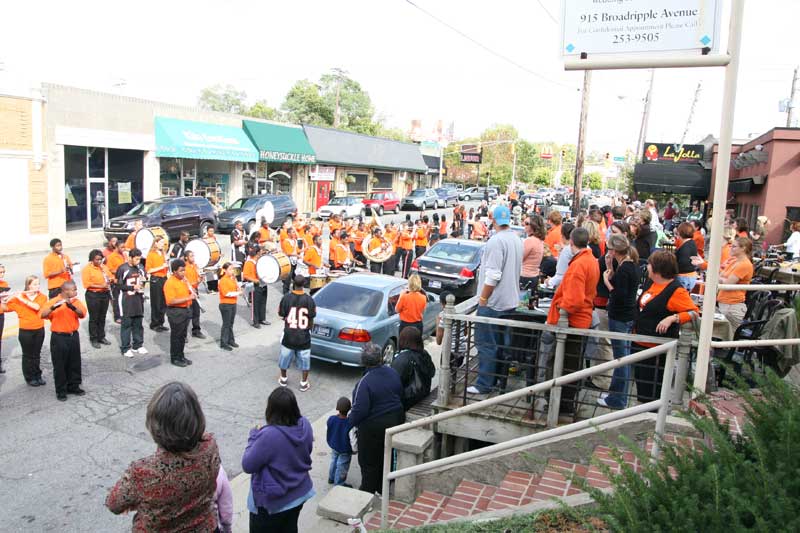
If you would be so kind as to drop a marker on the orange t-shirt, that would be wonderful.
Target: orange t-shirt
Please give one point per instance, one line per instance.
(479, 230)
(192, 275)
(62, 318)
(406, 240)
(443, 230)
(411, 305)
(113, 262)
(54, 263)
(553, 239)
(264, 235)
(741, 269)
(392, 237)
(421, 236)
(174, 289)
(313, 257)
(359, 240)
(130, 242)
(3, 285)
(28, 318)
(283, 234)
(680, 302)
(155, 260)
(249, 272)
(289, 246)
(93, 275)
(334, 226)
(227, 285)
(341, 254)
(700, 242)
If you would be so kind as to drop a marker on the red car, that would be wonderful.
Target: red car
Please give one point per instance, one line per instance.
(383, 201)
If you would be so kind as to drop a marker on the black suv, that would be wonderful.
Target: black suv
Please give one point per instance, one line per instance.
(244, 210)
(175, 214)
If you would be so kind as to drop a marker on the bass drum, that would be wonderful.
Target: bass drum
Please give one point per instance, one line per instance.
(206, 254)
(317, 281)
(272, 267)
(147, 236)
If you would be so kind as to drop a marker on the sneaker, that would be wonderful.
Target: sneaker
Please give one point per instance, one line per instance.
(129, 353)
(602, 402)
(77, 391)
(61, 397)
(95, 345)
(142, 351)
(604, 395)
(283, 382)
(233, 344)
(198, 335)
(105, 342)
(179, 362)
(304, 386)
(473, 390)
(226, 347)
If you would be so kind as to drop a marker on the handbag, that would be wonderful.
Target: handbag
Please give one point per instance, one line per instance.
(415, 389)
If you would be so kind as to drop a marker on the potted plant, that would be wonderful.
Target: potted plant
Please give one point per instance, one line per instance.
(350, 179)
(373, 180)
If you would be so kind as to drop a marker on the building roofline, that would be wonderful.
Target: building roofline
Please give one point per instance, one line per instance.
(416, 145)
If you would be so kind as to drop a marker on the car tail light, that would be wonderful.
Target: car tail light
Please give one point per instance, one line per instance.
(354, 335)
(466, 273)
(415, 264)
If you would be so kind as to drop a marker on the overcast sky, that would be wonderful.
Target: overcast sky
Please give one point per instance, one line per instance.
(412, 66)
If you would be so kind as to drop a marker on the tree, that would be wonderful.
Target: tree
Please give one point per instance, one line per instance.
(225, 99)
(262, 110)
(593, 180)
(305, 105)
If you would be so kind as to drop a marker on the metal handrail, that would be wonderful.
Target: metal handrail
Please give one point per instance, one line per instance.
(759, 287)
(662, 404)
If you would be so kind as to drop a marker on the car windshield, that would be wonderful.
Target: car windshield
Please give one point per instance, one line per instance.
(442, 190)
(146, 208)
(418, 192)
(452, 252)
(350, 299)
(376, 196)
(341, 200)
(245, 203)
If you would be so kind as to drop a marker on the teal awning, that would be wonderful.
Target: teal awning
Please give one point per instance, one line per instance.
(280, 144)
(187, 139)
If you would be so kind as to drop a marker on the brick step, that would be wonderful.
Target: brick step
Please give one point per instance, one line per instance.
(556, 480)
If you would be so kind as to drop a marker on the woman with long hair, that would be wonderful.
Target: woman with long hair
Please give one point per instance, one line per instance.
(594, 237)
(737, 270)
(27, 305)
(532, 253)
(413, 362)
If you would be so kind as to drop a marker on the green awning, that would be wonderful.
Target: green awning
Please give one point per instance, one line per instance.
(280, 144)
(200, 140)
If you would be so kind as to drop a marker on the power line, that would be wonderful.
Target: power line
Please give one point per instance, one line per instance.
(547, 11)
(490, 50)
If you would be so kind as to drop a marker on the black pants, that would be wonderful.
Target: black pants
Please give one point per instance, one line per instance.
(285, 522)
(52, 293)
(2, 326)
(529, 284)
(419, 251)
(404, 259)
(258, 311)
(115, 304)
(212, 285)
(390, 265)
(178, 325)
(377, 268)
(131, 328)
(417, 325)
(648, 375)
(157, 303)
(65, 352)
(31, 341)
(228, 312)
(573, 361)
(287, 283)
(370, 448)
(97, 304)
(195, 316)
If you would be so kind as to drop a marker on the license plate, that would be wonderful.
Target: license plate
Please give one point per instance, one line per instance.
(322, 331)
(433, 284)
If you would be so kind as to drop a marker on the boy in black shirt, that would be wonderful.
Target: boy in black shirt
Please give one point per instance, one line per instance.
(297, 309)
(130, 283)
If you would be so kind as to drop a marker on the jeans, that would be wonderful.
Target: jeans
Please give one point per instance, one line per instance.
(618, 390)
(340, 465)
(131, 327)
(688, 282)
(488, 337)
(285, 522)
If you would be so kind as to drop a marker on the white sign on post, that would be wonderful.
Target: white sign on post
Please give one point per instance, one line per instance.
(636, 26)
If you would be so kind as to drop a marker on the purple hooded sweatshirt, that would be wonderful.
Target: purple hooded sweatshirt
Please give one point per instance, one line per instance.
(279, 459)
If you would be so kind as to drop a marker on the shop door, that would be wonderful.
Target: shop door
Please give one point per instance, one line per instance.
(323, 190)
(264, 186)
(97, 206)
(188, 187)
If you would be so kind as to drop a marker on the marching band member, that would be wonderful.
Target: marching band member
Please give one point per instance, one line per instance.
(420, 238)
(264, 233)
(334, 224)
(357, 239)
(284, 231)
(157, 269)
(113, 262)
(258, 305)
(292, 251)
(57, 268)
(443, 227)
(252, 243)
(130, 242)
(111, 247)
(4, 296)
(97, 281)
(238, 240)
(392, 235)
(64, 313)
(378, 245)
(179, 248)
(178, 296)
(193, 277)
(313, 258)
(130, 278)
(211, 275)
(27, 305)
(229, 291)
(341, 254)
(405, 242)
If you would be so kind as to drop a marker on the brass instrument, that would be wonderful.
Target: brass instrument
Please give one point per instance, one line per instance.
(380, 255)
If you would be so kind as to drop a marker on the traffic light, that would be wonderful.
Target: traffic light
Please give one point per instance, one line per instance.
(563, 154)
(608, 156)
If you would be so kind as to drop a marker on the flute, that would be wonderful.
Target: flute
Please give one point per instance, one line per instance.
(196, 296)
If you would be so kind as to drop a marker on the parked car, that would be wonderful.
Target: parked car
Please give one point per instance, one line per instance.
(448, 195)
(478, 193)
(421, 199)
(347, 206)
(450, 265)
(360, 308)
(175, 214)
(244, 210)
(383, 201)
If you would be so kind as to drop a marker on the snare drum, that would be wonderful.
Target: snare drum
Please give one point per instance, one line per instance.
(206, 254)
(317, 281)
(145, 238)
(272, 267)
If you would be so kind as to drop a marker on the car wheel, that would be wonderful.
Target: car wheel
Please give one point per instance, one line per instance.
(204, 228)
(397, 209)
(466, 198)
(387, 352)
(380, 210)
(424, 206)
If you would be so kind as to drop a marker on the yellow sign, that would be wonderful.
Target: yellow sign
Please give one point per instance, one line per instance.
(70, 197)
(124, 192)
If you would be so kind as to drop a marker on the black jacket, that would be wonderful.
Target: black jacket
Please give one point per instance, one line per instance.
(406, 363)
(645, 242)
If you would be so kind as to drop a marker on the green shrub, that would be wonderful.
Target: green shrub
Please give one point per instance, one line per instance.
(736, 483)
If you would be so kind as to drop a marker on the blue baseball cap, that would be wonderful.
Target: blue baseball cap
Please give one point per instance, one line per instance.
(501, 215)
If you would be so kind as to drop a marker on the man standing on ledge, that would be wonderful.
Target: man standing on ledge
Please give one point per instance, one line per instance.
(64, 313)
(178, 296)
(501, 264)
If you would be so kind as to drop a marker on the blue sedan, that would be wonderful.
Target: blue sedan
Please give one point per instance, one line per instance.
(447, 196)
(357, 309)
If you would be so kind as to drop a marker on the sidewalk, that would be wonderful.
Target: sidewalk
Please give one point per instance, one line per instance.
(309, 520)
(73, 240)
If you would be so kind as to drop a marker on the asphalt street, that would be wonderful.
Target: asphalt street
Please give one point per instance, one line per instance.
(60, 459)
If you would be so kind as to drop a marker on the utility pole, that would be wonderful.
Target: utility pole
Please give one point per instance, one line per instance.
(514, 168)
(645, 117)
(339, 74)
(792, 100)
(691, 112)
(579, 157)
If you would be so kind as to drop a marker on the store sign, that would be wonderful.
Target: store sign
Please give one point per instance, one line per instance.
(124, 192)
(470, 153)
(287, 157)
(323, 173)
(673, 153)
(636, 26)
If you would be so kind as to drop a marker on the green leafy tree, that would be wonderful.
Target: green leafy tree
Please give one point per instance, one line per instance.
(593, 180)
(262, 110)
(304, 104)
(225, 99)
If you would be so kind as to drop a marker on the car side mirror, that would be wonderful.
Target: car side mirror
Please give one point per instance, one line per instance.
(163, 215)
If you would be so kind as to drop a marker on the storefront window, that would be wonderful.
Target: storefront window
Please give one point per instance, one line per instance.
(170, 176)
(75, 186)
(214, 187)
(125, 179)
(356, 183)
(384, 181)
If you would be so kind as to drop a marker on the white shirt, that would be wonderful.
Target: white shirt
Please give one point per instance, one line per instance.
(793, 244)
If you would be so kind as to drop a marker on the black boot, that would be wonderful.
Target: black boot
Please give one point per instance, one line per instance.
(179, 362)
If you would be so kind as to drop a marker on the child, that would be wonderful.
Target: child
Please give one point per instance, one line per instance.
(339, 441)
(223, 502)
